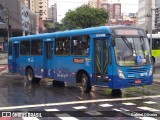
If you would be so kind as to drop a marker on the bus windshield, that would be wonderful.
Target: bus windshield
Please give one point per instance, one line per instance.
(132, 51)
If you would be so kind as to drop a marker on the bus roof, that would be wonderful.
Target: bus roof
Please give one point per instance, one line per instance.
(92, 30)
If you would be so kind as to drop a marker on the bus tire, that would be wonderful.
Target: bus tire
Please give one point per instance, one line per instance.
(30, 76)
(85, 84)
(116, 93)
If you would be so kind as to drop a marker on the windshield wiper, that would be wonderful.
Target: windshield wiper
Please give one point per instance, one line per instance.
(127, 43)
(141, 39)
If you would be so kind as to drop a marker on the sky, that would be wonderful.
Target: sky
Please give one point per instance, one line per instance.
(128, 6)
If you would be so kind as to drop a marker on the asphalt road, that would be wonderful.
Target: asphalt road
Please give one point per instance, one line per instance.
(70, 103)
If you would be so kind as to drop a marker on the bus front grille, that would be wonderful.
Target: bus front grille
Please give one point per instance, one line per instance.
(134, 73)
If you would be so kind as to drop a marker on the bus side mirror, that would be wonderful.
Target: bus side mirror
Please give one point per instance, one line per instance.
(113, 42)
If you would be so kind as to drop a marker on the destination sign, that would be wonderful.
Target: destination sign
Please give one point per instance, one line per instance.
(126, 32)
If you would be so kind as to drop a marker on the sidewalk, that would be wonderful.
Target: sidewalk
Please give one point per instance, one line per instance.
(156, 78)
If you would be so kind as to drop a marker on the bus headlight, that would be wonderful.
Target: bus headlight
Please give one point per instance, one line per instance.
(120, 73)
(151, 71)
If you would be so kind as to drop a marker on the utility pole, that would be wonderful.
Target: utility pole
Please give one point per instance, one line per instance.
(152, 9)
(122, 18)
(151, 30)
(8, 27)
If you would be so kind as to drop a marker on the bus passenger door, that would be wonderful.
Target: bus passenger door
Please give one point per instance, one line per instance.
(101, 61)
(48, 54)
(15, 58)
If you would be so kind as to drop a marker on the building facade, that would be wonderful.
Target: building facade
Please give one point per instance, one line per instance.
(53, 13)
(157, 16)
(43, 9)
(16, 19)
(146, 15)
(96, 3)
(40, 7)
(113, 9)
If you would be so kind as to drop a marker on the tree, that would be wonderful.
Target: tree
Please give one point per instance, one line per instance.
(85, 16)
(53, 27)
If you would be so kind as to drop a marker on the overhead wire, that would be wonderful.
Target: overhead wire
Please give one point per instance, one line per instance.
(10, 17)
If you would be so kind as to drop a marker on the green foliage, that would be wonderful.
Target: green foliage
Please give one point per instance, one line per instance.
(48, 24)
(85, 16)
(53, 27)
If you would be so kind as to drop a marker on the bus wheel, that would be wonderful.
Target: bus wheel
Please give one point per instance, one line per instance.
(116, 93)
(30, 76)
(85, 84)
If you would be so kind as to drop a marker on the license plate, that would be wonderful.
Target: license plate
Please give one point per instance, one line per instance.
(137, 81)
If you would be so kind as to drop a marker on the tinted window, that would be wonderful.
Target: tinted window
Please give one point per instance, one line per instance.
(25, 48)
(36, 47)
(62, 46)
(156, 44)
(80, 45)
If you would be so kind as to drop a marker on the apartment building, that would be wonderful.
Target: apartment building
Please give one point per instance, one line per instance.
(40, 7)
(157, 16)
(96, 3)
(43, 9)
(53, 13)
(146, 16)
(113, 9)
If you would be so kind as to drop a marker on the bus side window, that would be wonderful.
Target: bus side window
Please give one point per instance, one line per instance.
(36, 47)
(80, 45)
(25, 47)
(156, 44)
(62, 46)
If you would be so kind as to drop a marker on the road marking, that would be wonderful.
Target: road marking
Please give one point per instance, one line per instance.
(150, 102)
(128, 103)
(105, 105)
(30, 118)
(66, 117)
(124, 109)
(146, 118)
(78, 102)
(94, 113)
(80, 107)
(116, 109)
(50, 110)
(148, 108)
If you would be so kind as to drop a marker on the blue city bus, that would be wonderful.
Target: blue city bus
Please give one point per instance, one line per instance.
(116, 57)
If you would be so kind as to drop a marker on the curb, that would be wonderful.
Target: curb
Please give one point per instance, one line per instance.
(156, 82)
